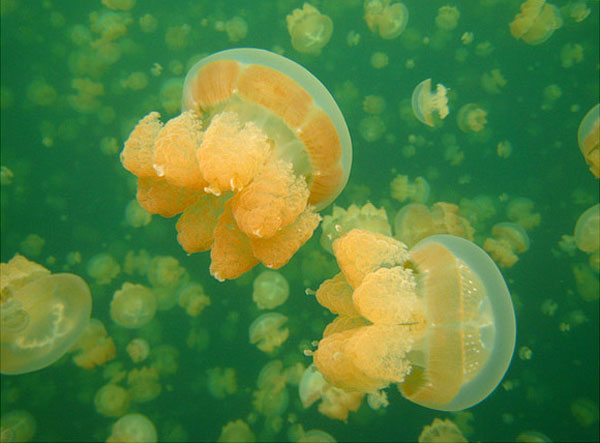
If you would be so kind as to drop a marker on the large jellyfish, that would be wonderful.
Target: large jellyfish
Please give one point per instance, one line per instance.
(437, 320)
(536, 22)
(260, 146)
(588, 137)
(41, 315)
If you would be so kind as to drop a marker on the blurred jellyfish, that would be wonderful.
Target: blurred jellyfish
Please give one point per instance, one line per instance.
(425, 103)
(32, 245)
(270, 289)
(492, 82)
(246, 168)
(112, 400)
(236, 431)
(587, 230)
(17, 426)
(133, 306)
(271, 398)
(588, 138)
(387, 20)
(571, 54)
(584, 411)
(532, 437)
(267, 331)
(94, 347)
(119, 5)
(586, 282)
(441, 430)
(379, 60)
(136, 216)
(509, 239)
(103, 268)
(133, 428)
(374, 104)
(310, 30)
(192, 298)
(367, 217)
(521, 211)
(371, 128)
(402, 190)
(143, 384)
(165, 272)
(41, 315)
(447, 18)
(471, 117)
(536, 22)
(138, 350)
(389, 288)
(221, 382)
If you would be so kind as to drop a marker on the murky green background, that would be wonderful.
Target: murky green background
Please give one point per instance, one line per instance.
(73, 193)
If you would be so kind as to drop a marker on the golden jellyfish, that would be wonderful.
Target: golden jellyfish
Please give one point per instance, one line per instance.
(416, 221)
(143, 384)
(272, 398)
(94, 347)
(438, 320)
(425, 102)
(112, 400)
(138, 350)
(103, 268)
(260, 146)
(41, 315)
(585, 411)
(532, 437)
(270, 289)
(17, 426)
(471, 118)
(587, 230)
(447, 18)
(236, 431)
(536, 22)
(509, 239)
(310, 30)
(389, 21)
(521, 211)
(367, 217)
(192, 298)
(402, 189)
(133, 428)
(133, 306)
(267, 332)
(440, 431)
(221, 382)
(588, 137)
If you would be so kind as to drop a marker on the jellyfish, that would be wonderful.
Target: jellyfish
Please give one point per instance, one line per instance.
(417, 191)
(138, 350)
(387, 20)
(367, 217)
(94, 347)
(437, 320)
(587, 230)
(372, 128)
(235, 431)
(310, 30)
(136, 216)
(112, 400)
(259, 148)
(103, 268)
(17, 426)
(192, 298)
(41, 319)
(584, 411)
(267, 331)
(441, 430)
(447, 18)
(270, 289)
(471, 117)
(134, 428)
(416, 221)
(532, 437)
(272, 398)
(221, 382)
(536, 22)
(509, 239)
(588, 138)
(143, 384)
(133, 306)
(521, 211)
(425, 103)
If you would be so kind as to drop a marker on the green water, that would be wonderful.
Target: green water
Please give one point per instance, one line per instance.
(71, 192)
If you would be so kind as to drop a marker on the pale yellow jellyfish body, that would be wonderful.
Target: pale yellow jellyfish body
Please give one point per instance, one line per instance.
(441, 430)
(441, 321)
(267, 332)
(402, 189)
(389, 20)
(260, 146)
(536, 22)
(425, 103)
(587, 230)
(133, 306)
(17, 426)
(235, 431)
(94, 347)
(471, 118)
(310, 30)
(40, 320)
(270, 289)
(133, 428)
(103, 268)
(588, 137)
(508, 240)
(112, 400)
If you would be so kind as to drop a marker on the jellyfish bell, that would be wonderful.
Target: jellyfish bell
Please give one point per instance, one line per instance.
(425, 103)
(310, 30)
(472, 337)
(41, 321)
(587, 230)
(588, 138)
(260, 146)
(536, 22)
